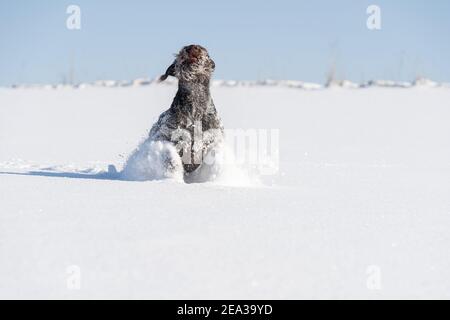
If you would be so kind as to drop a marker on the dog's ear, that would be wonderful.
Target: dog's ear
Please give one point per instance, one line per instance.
(169, 72)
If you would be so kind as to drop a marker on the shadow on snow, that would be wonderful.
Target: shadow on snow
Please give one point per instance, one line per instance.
(112, 174)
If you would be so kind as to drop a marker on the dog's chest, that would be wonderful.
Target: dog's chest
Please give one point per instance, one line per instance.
(191, 117)
(191, 106)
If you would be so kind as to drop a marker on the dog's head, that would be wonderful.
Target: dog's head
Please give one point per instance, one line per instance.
(192, 63)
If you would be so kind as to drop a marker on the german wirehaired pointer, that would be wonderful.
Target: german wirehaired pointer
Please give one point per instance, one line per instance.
(191, 124)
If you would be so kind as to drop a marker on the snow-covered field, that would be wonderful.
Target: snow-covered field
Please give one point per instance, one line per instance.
(360, 207)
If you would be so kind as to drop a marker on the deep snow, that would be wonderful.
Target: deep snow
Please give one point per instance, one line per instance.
(363, 185)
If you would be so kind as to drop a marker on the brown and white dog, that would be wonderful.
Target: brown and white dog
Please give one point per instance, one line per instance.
(191, 124)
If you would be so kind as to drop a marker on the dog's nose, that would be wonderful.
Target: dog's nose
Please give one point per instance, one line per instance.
(194, 52)
(192, 48)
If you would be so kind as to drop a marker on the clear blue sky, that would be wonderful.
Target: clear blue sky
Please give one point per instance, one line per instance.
(278, 39)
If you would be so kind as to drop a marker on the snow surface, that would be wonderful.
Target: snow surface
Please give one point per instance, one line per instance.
(360, 207)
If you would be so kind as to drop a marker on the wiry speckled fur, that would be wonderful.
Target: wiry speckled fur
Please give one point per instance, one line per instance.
(191, 108)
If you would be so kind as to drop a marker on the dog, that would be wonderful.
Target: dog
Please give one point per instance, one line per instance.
(191, 123)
